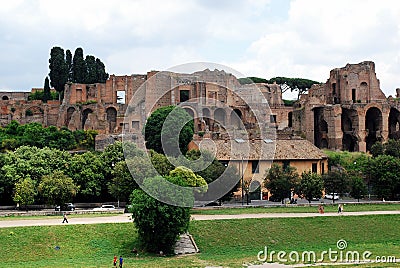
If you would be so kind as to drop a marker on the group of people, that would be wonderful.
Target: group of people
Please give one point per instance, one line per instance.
(321, 209)
(121, 261)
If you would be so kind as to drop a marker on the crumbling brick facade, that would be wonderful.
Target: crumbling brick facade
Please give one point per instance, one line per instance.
(348, 112)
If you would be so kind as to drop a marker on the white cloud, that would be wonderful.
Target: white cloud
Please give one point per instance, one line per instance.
(263, 38)
(322, 35)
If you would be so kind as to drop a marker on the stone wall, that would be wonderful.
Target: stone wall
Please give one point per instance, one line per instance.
(348, 112)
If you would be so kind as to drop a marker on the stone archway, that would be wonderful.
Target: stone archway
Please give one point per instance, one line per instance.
(373, 126)
(394, 124)
(236, 118)
(206, 118)
(85, 114)
(219, 116)
(70, 112)
(111, 119)
(320, 127)
(349, 119)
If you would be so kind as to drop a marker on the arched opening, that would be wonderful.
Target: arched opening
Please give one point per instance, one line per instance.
(353, 95)
(394, 124)
(206, 118)
(70, 112)
(373, 126)
(111, 119)
(183, 95)
(324, 144)
(364, 90)
(219, 116)
(85, 114)
(5, 98)
(349, 120)
(349, 143)
(189, 111)
(320, 127)
(236, 119)
(290, 119)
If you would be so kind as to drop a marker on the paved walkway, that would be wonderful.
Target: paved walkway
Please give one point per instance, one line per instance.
(127, 218)
(289, 215)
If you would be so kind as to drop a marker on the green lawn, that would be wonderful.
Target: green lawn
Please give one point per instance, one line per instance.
(228, 243)
(294, 209)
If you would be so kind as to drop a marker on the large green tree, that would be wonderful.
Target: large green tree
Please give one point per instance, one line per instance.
(34, 162)
(87, 172)
(310, 186)
(58, 70)
(358, 188)
(209, 168)
(46, 90)
(91, 70)
(57, 188)
(158, 223)
(68, 61)
(336, 181)
(161, 130)
(384, 174)
(78, 66)
(391, 147)
(101, 74)
(127, 174)
(281, 181)
(24, 192)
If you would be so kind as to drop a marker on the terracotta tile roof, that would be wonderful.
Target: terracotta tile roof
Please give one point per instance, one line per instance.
(280, 149)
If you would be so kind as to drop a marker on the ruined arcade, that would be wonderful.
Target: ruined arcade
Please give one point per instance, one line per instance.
(349, 112)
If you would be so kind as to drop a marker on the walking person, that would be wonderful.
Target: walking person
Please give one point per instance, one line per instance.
(115, 261)
(65, 218)
(121, 261)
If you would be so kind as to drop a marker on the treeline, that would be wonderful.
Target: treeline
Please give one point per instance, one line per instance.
(379, 173)
(301, 85)
(88, 177)
(76, 69)
(15, 135)
(356, 174)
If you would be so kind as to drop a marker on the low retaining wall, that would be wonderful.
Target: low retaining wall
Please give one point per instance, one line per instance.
(58, 213)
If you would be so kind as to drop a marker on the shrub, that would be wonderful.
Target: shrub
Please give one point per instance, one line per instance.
(160, 224)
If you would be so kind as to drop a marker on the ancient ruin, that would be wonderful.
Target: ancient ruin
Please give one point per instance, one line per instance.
(348, 112)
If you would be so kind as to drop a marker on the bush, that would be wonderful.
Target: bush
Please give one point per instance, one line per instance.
(160, 224)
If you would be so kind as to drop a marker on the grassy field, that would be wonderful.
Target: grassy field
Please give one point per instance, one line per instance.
(296, 209)
(227, 243)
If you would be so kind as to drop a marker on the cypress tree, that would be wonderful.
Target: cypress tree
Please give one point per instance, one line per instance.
(46, 92)
(58, 70)
(78, 67)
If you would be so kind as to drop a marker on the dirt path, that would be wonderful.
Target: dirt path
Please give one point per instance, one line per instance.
(127, 218)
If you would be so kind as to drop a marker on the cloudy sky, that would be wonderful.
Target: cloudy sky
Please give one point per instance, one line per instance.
(264, 38)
